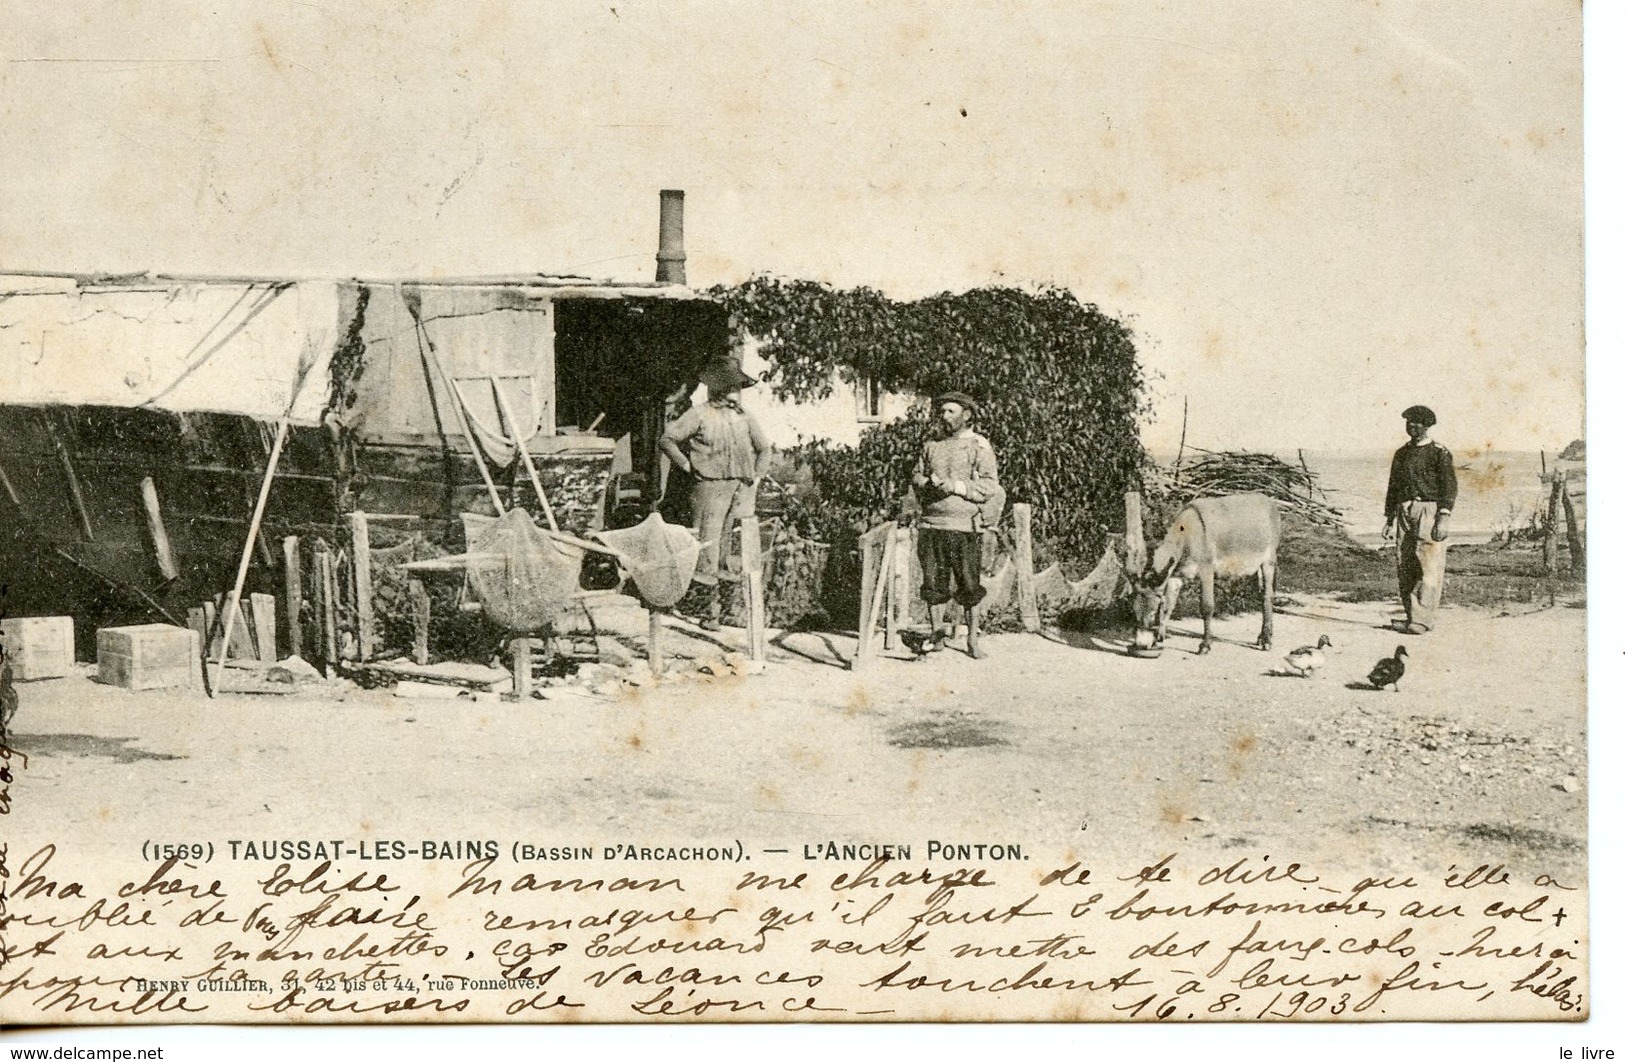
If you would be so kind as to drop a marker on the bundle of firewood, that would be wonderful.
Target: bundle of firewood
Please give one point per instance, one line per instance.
(1211, 474)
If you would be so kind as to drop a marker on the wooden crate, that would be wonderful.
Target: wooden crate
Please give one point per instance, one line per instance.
(39, 647)
(151, 656)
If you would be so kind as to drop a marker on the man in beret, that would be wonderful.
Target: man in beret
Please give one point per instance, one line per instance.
(957, 485)
(726, 451)
(1421, 493)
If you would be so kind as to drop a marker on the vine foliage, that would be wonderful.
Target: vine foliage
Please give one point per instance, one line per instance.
(1059, 384)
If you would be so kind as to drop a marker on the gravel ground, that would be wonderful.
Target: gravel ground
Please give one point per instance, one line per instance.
(1057, 742)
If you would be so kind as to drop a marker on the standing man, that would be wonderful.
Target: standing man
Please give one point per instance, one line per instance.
(1421, 493)
(726, 451)
(957, 485)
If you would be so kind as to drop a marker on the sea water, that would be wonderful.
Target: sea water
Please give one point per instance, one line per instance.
(1498, 490)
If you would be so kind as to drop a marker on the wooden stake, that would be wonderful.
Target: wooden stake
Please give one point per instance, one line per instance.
(750, 558)
(417, 602)
(521, 668)
(199, 622)
(239, 640)
(900, 604)
(866, 634)
(1549, 547)
(657, 641)
(293, 594)
(1134, 528)
(524, 453)
(212, 633)
(160, 537)
(330, 607)
(866, 554)
(1026, 584)
(1577, 546)
(361, 557)
(263, 606)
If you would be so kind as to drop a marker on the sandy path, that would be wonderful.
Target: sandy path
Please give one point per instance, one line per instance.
(1047, 744)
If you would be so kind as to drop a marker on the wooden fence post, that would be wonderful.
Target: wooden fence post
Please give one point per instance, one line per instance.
(263, 608)
(750, 559)
(361, 548)
(1577, 546)
(875, 541)
(294, 592)
(1549, 546)
(900, 606)
(1134, 532)
(328, 615)
(521, 669)
(657, 641)
(1026, 584)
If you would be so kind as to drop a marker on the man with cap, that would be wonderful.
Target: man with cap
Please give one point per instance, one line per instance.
(1421, 493)
(726, 451)
(957, 485)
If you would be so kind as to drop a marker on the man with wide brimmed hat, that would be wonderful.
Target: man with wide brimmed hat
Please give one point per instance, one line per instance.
(726, 451)
(1421, 493)
(957, 485)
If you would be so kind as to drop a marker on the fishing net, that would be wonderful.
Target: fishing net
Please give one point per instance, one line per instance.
(659, 557)
(523, 576)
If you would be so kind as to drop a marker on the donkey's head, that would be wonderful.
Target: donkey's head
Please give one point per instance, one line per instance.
(1147, 598)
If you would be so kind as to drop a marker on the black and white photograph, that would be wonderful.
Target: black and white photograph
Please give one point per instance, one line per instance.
(651, 512)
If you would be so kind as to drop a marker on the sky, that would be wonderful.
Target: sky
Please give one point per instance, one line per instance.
(1313, 214)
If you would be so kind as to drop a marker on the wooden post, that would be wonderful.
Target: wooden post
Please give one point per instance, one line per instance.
(211, 633)
(657, 641)
(361, 550)
(293, 594)
(521, 668)
(1550, 545)
(239, 639)
(866, 636)
(1134, 532)
(1026, 584)
(1577, 546)
(750, 559)
(900, 596)
(328, 612)
(198, 621)
(867, 544)
(160, 537)
(417, 602)
(263, 606)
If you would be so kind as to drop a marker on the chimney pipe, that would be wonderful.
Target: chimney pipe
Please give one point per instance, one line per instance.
(670, 259)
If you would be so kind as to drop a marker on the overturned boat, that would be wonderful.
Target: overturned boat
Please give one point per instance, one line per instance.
(142, 416)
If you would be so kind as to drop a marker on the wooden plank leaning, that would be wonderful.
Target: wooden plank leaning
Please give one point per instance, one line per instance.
(879, 541)
(521, 444)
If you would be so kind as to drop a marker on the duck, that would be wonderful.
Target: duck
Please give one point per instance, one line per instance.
(1389, 671)
(1306, 658)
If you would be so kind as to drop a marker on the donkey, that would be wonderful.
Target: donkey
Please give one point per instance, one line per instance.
(1235, 535)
